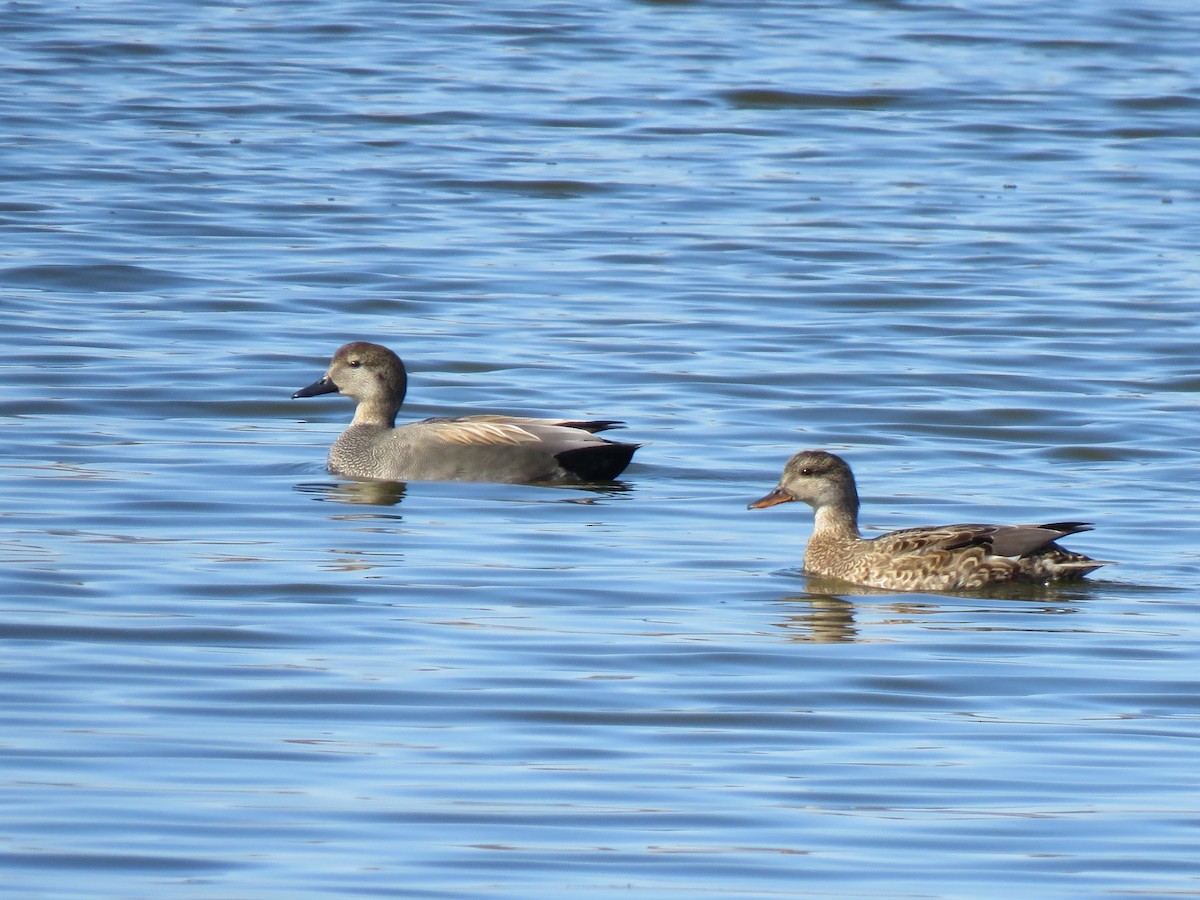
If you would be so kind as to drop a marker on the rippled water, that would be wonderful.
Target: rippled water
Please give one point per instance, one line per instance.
(956, 245)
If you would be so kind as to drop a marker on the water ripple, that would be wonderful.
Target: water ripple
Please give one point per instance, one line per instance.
(744, 233)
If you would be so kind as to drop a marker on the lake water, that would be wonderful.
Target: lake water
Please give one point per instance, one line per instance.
(955, 243)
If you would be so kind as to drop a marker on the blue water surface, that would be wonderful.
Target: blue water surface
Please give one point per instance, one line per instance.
(955, 244)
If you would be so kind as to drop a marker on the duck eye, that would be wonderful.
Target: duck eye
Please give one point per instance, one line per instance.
(355, 363)
(806, 471)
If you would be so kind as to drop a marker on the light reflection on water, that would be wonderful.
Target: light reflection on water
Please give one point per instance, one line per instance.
(228, 673)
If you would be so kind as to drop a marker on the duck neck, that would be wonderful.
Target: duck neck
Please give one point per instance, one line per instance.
(377, 413)
(836, 520)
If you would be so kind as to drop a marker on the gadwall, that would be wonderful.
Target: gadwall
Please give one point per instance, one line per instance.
(471, 448)
(936, 558)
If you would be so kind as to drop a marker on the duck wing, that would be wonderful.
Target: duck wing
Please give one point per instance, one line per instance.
(510, 448)
(1014, 541)
(556, 434)
(475, 431)
(589, 425)
(1026, 540)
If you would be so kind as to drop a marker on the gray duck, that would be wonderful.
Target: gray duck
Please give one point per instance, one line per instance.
(509, 449)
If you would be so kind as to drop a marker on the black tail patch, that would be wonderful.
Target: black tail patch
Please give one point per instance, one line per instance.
(602, 462)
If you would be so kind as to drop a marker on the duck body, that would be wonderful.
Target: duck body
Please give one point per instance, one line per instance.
(935, 558)
(509, 449)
